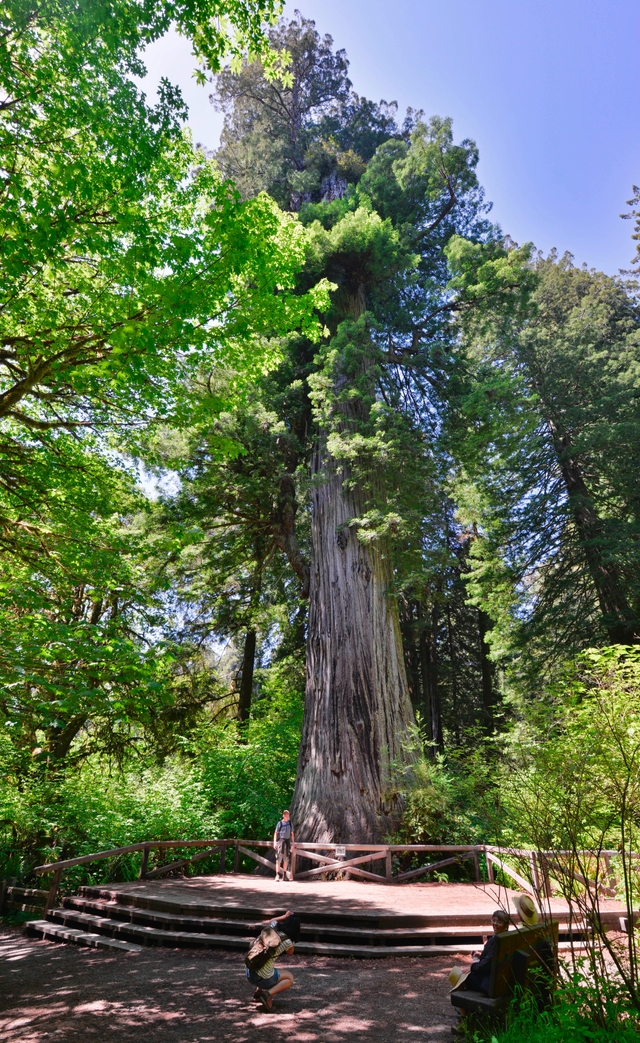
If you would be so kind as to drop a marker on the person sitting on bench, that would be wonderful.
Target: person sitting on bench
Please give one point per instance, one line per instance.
(478, 977)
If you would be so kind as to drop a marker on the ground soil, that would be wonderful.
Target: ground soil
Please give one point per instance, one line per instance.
(65, 994)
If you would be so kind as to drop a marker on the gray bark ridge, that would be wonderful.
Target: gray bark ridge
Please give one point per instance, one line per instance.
(358, 735)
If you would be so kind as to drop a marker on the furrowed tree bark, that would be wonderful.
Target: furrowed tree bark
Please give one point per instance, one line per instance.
(358, 715)
(357, 734)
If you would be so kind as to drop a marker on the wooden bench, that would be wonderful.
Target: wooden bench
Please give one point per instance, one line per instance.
(526, 957)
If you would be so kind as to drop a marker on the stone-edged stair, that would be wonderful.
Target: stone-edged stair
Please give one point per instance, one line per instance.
(105, 917)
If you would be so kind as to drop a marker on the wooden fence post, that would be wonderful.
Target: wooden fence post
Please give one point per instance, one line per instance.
(476, 866)
(388, 871)
(3, 894)
(236, 858)
(546, 881)
(223, 858)
(535, 876)
(143, 864)
(490, 872)
(53, 890)
(294, 857)
(611, 878)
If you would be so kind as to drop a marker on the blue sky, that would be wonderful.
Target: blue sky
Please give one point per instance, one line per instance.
(549, 90)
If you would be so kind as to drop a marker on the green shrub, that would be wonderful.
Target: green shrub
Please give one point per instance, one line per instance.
(229, 781)
(249, 772)
(449, 803)
(89, 809)
(569, 1022)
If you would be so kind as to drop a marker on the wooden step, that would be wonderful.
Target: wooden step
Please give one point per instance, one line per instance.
(173, 912)
(352, 918)
(168, 921)
(59, 933)
(145, 935)
(311, 931)
(318, 927)
(175, 905)
(71, 925)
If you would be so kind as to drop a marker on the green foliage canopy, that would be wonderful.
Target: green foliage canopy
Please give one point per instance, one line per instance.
(126, 260)
(128, 266)
(549, 434)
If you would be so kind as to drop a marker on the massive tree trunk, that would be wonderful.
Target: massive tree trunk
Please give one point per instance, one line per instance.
(357, 736)
(358, 715)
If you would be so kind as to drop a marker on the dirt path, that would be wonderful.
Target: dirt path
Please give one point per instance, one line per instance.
(51, 992)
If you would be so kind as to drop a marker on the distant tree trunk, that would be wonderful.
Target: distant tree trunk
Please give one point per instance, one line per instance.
(246, 680)
(618, 617)
(487, 670)
(60, 739)
(432, 689)
(357, 732)
(454, 676)
(425, 671)
(409, 612)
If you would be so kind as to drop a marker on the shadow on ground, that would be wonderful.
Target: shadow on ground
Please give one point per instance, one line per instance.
(51, 992)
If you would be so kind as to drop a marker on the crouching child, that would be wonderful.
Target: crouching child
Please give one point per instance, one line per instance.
(260, 962)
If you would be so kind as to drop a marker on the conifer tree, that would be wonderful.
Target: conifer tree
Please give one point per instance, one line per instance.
(380, 205)
(551, 430)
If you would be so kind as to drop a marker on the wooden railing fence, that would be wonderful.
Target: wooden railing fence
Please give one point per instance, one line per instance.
(534, 874)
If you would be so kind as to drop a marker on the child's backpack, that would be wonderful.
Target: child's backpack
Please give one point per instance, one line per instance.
(264, 947)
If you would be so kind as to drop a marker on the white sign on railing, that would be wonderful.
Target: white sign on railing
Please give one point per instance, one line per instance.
(340, 851)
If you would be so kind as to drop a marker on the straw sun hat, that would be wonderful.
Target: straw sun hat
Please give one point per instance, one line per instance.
(457, 977)
(526, 910)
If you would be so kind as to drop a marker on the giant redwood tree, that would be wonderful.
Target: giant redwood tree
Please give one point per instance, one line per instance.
(381, 206)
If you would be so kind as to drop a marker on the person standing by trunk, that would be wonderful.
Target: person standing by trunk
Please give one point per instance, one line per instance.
(283, 838)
